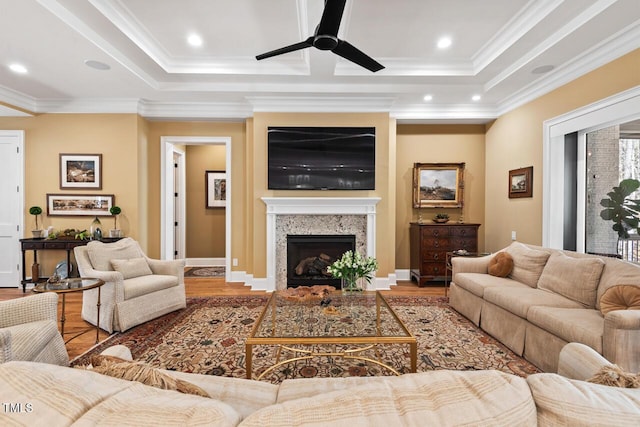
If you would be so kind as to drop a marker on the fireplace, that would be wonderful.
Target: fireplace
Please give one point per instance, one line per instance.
(308, 257)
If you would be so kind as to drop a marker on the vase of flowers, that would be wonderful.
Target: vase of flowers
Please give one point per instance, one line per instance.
(355, 271)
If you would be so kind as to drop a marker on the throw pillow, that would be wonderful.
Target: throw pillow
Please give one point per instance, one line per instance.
(145, 374)
(501, 265)
(621, 297)
(574, 278)
(130, 268)
(527, 263)
(614, 376)
(101, 254)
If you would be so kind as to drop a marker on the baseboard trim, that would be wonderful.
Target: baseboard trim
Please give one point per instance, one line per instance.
(205, 262)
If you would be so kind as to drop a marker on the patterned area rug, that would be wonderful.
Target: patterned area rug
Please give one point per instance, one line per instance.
(208, 338)
(204, 272)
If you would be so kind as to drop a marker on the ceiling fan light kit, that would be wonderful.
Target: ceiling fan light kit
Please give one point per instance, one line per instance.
(326, 38)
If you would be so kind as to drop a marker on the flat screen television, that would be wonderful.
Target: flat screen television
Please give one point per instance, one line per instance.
(321, 158)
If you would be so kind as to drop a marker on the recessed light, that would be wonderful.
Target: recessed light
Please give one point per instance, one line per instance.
(428, 97)
(542, 69)
(194, 40)
(97, 65)
(444, 42)
(476, 98)
(18, 68)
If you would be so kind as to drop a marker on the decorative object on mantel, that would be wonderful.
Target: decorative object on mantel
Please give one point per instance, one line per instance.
(353, 268)
(36, 211)
(521, 182)
(438, 185)
(441, 218)
(115, 232)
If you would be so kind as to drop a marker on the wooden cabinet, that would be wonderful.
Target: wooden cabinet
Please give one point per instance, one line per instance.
(430, 243)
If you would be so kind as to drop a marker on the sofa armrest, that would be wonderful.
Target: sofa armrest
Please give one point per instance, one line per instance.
(173, 267)
(6, 354)
(580, 362)
(29, 309)
(621, 339)
(461, 264)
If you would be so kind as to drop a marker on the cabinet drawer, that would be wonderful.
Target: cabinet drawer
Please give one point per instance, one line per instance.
(436, 231)
(435, 256)
(433, 269)
(32, 245)
(434, 244)
(464, 243)
(462, 231)
(56, 245)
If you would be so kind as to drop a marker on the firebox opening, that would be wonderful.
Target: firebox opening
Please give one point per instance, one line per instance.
(308, 257)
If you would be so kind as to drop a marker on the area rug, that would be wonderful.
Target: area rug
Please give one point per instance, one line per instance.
(204, 272)
(208, 337)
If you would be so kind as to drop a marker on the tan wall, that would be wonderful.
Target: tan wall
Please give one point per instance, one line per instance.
(438, 144)
(205, 228)
(48, 135)
(515, 140)
(385, 177)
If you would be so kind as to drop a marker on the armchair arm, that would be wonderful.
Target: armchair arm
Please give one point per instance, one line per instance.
(462, 264)
(621, 339)
(29, 309)
(580, 362)
(6, 353)
(173, 267)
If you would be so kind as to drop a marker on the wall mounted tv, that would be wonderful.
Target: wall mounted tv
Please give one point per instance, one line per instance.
(321, 158)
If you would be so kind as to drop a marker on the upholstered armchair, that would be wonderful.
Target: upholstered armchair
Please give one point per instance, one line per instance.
(136, 289)
(29, 330)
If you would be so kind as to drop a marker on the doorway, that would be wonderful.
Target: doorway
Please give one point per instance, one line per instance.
(12, 211)
(172, 231)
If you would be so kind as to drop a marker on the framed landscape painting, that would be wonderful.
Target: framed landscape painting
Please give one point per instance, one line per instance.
(79, 205)
(216, 189)
(521, 182)
(80, 171)
(438, 185)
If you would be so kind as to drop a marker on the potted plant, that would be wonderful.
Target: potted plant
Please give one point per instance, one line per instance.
(36, 211)
(115, 211)
(441, 218)
(624, 212)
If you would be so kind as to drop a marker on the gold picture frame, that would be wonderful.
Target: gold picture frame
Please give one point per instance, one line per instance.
(438, 185)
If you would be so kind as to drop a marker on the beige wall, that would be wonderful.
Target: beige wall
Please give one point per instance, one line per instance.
(515, 140)
(205, 228)
(438, 144)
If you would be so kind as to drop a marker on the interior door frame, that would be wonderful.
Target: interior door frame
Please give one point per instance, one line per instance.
(168, 148)
(19, 136)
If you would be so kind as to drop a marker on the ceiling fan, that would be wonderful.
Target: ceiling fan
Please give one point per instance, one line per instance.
(326, 38)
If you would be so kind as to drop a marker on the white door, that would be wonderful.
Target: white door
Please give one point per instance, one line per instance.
(12, 205)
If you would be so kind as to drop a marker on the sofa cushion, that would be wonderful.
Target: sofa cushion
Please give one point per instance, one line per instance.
(519, 300)
(477, 283)
(430, 398)
(501, 264)
(101, 254)
(581, 325)
(527, 263)
(564, 402)
(129, 268)
(621, 297)
(144, 285)
(574, 278)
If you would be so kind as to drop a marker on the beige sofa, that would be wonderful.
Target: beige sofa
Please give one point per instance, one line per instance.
(29, 330)
(40, 394)
(550, 298)
(137, 288)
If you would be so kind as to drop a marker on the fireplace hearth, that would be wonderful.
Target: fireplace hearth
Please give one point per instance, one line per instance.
(308, 257)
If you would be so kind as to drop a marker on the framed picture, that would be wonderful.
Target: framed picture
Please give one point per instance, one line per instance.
(438, 185)
(79, 205)
(216, 189)
(80, 171)
(521, 182)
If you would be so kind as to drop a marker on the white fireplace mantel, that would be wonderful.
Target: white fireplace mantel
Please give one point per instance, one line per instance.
(316, 206)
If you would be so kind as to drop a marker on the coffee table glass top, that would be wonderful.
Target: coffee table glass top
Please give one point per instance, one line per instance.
(365, 314)
(68, 285)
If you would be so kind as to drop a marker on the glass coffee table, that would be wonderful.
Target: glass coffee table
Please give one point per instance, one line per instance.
(356, 323)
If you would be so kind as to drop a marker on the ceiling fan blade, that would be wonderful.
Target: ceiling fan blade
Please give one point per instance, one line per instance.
(355, 55)
(331, 17)
(291, 48)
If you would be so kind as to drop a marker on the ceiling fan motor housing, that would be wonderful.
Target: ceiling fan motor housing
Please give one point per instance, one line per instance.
(325, 42)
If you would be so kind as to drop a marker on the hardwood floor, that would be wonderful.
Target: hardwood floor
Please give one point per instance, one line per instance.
(195, 287)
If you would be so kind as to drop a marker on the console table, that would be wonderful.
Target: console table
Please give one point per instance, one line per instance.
(430, 243)
(36, 245)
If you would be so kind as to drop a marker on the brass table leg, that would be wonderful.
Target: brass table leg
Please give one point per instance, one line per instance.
(249, 354)
(98, 319)
(62, 316)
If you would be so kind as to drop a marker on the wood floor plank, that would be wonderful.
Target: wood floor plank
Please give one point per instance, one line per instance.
(195, 287)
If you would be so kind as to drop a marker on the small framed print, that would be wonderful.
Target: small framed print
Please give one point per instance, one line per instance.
(79, 205)
(521, 182)
(438, 185)
(216, 189)
(80, 171)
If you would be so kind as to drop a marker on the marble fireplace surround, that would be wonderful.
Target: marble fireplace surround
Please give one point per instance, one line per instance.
(315, 215)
